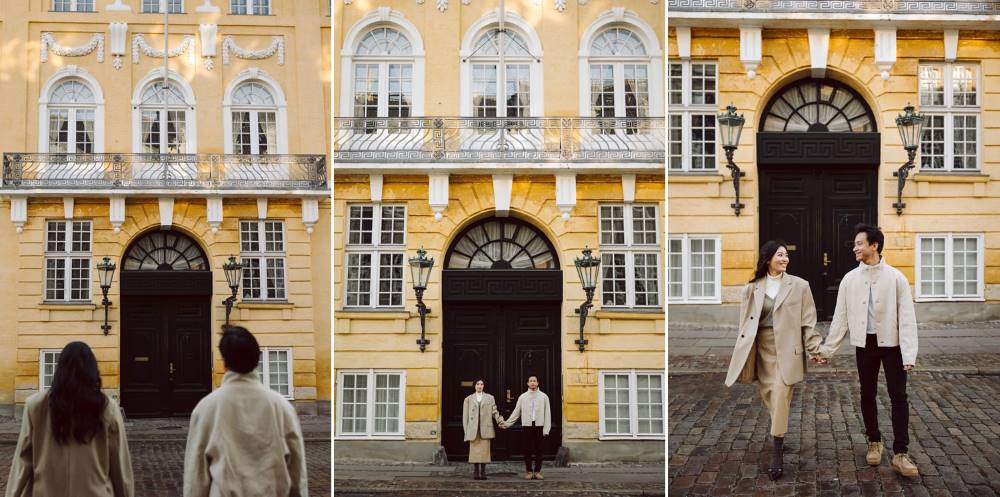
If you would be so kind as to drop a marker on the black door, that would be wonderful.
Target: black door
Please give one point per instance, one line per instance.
(814, 209)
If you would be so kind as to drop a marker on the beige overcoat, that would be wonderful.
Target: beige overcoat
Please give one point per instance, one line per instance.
(244, 441)
(794, 317)
(470, 415)
(42, 467)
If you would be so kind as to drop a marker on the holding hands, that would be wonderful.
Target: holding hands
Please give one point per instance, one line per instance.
(820, 359)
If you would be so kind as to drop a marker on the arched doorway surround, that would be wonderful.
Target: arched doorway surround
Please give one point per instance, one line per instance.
(166, 299)
(502, 294)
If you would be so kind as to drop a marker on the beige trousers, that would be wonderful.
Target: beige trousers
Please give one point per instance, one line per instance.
(776, 395)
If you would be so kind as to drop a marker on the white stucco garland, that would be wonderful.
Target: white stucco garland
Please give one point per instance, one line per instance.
(49, 44)
(139, 45)
(277, 46)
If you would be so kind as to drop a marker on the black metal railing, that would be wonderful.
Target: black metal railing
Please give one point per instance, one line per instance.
(499, 139)
(163, 171)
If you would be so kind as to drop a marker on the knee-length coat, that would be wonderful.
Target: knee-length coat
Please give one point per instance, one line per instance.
(470, 417)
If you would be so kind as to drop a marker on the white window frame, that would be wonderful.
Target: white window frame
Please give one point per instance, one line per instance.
(686, 265)
(84, 77)
(248, 5)
(536, 92)
(68, 256)
(263, 255)
(159, 8)
(633, 410)
(264, 370)
(188, 108)
(41, 366)
(949, 111)
(948, 268)
(280, 107)
(376, 249)
(630, 249)
(686, 110)
(74, 6)
(370, 402)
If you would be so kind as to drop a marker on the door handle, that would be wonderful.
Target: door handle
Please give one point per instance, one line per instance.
(171, 368)
(826, 260)
(509, 398)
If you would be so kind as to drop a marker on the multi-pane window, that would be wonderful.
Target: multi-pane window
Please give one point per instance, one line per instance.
(383, 75)
(71, 112)
(255, 123)
(619, 75)
(262, 250)
(67, 260)
(370, 403)
(274, 367)
(250, 7)
(950, 266)
(694, 268)
(156, 6)
(691, 122)
(630, 252)
(950, 102)
(631, 404)
(501, 90)
(155, 119)
(47, 360)
(376, 237)
(73, 5)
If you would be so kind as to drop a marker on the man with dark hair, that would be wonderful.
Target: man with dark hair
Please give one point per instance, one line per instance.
(536, 420)
(244, 438)
(874, 304)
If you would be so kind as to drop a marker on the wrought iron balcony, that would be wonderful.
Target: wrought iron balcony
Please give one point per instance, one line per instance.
(28, 171)
(837, 7)
(499, 139)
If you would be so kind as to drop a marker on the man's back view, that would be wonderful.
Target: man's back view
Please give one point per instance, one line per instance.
(244, 439)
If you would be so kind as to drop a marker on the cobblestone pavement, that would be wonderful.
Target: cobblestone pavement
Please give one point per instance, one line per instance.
(358, 480)
(718, 442)
(158, 467)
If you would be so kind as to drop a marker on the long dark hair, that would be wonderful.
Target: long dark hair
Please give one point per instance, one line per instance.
(767, 252)
(76, 403)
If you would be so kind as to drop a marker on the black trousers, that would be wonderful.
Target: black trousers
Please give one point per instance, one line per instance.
(869, 359)
(532, 447)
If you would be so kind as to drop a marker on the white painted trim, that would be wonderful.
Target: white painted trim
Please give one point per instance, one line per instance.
(68, 207)
(265, 370)
(263, 254)
(166, 211)
(638, 25)
(683, 42)
(630, 249)
(67, 255)
(116, 212)
(503, 184)
(685, 267)
(159, 192)
(819, 50)
(262, 209)
(374, 19)
(524, 168)
(566, 193)
(633, 410)
(310, 213)
(19, 212)
(375, 249)
(948, 110)
(950, 45)
(375, 187)
(515, 22)
(370, 403)
(949, 238)
(628, 188)
(437, 194)
(214, 211)
(207, 8)
(885, 51)
(190, 116)
(71, 72)
(41, 368)
(280, 108)
(118, 6)
(750, 49)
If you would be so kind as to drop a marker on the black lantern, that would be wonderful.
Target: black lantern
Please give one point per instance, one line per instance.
(420, 273)
(587, 267)
(234, 275)
(106, 273)
(910, 125)
(730, 128)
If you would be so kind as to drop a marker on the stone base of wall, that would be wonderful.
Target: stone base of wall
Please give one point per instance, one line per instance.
(613, 451)
(324, 407)
(703, 315)
(306, 407)
(381, 451)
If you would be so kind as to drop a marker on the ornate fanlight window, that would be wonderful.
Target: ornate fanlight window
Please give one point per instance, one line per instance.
(165, 251)
(501, 244)
(818, 105)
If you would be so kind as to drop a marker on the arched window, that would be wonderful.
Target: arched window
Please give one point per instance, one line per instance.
(71, 117)
(501, 90)
(155, 120)
(255, 120)
(619, 75)
(164, 251)
(383, 74)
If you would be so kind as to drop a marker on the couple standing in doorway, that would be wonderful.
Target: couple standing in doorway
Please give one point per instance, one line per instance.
(479, 410)
(777, 330)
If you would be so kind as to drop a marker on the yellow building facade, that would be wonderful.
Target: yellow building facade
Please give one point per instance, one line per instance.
(821, 90)
(240, 171)
(502, 154)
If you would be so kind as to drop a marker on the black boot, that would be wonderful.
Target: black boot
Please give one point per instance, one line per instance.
(777, 458)
(482, 471)
(475, 471)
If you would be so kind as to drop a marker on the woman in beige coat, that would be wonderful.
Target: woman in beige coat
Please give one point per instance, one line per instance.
(777, 320)
(72, 440)
(478, 413)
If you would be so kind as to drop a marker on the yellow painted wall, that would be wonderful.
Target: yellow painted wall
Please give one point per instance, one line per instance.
(934, 203)
(386, 339)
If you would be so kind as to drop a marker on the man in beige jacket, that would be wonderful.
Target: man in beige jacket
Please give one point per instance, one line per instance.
(244, 440)
(535, 411)
(874, 304)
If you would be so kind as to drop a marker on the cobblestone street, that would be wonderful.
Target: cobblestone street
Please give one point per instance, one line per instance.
(719, 443)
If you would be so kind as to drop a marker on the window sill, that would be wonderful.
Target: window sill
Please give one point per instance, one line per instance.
(349, 313)
(68, 306)
(399, 438)
(630, 437)
(949, 299)
(951, 177)
(629, 313)
(695, 302)
(695, 177)
(263, 304)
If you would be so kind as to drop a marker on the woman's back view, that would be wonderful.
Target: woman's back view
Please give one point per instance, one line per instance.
(72, 440)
